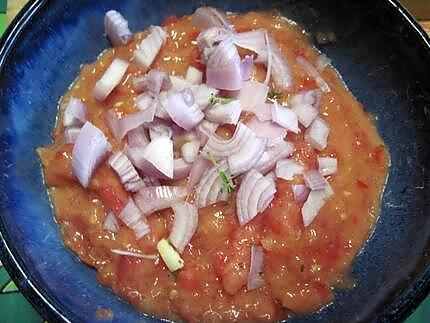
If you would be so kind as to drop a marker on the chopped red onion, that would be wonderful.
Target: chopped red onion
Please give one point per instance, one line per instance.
(244, 194)
(263, 112)
(247, 67)
(150, 46)
(155, 198)
(153, 82)
(223, 67)
(183, 110)
(224, 113)
(256, 268)
(88, 152)
(133, 254)
(137, 137)
(259, 193)
(203, 94)
(190, 150)
(253, 40)
(300, 192)
(145, 101)
(179, 83)
(276, 150)
(288, 168)
(312, 72)
(327, 165)
(71, 134)
(305, 113)
(317, 134)
(220, 148)
(199, 167)
(266, 129)
(184, 225)
(314, 180)
(110, 223)
(160, 129)
(181, 169)
(126, 172)
(281, 72)
(247, 156)
(268, 194)
(207, 17)
(116, 28)
(194, 75)
(210, 185)
(75, 114)
(159, 154)
(120, 127)
(308, 97)
(314, 203)
(252, 94)
(205, 130)
(208, 39)
(285, 117)
(132, 218)
(269, 58)
(110, 79)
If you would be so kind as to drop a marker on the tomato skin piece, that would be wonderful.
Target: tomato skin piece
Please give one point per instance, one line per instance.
(362, 184)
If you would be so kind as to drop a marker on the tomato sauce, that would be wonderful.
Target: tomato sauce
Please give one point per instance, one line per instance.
(301, 264)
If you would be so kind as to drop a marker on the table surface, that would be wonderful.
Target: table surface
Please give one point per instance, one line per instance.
(15, 308)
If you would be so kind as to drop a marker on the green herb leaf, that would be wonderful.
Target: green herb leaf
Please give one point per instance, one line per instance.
(215, 100)
(274, 96)
(226, 182)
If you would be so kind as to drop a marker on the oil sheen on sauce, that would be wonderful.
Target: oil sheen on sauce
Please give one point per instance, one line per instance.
(301, 264)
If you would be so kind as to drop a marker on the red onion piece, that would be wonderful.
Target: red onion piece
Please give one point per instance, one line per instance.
(181, 169)
(305, 112)
(205, 130)
(300, 192)
(223, 67)
(148, 49)
(126, 172)
(281, 72)
(244, 194)
(137, 137)
(71, 134)
(224, 113)
(88, 152)
(322, 62)
(285, 117)
(266, 129)
(308, 97)
(120, 127)
(288, 168)
(252, 94)
(247, 156)
(220, 148)
(144, 101)
(133, 218)
(190, 150)
(160, 129)
(314, 180)
(155, 198)
(199, 167)
(256, 268)
(269, 58)
(314, 203)
(207, 17)
(253, 40)
(312, 72)
(116, 28)
(277, 149)
(263, 112)
(210, 185)
(153, 82)
(327, 165)
(208, 39)
(194, 75)
(159, 153)
(268, 194)
(183, 110)
(75, 114)
(247, 67)
(317, 134)
(262, 187)
(110, 79)
(133, 254)
(184, 225)
(110, 223)
(203, 94)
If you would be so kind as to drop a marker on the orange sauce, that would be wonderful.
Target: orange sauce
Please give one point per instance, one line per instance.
(301, 264)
